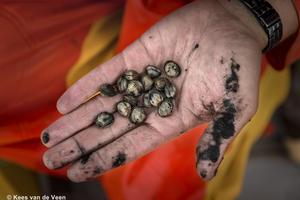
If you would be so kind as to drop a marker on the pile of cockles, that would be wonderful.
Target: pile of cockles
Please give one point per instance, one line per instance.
(148, 90)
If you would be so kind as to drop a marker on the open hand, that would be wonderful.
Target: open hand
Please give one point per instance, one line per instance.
(218, 85)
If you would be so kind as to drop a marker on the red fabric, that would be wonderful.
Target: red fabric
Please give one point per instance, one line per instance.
(40, 42)
(167, 173)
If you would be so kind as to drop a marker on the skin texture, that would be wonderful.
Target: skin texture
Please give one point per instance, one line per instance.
(218, 85)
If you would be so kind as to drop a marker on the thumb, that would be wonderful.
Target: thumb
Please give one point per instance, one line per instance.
(218, 136)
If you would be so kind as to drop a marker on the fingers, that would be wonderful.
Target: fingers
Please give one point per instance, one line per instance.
(217, 137)
(127, 148)
(134, 57)
(93, 138)
(79, 119)
(130, 146)
(84, 142)
(85, 87)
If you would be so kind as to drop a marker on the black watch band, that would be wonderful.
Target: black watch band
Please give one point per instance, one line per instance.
(268, 18)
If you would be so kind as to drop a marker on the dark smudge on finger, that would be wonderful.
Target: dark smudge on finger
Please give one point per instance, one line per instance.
(97, 171)
(45, 137)
(84, 159)
(119, 159)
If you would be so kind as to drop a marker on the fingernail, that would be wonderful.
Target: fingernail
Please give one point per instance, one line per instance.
(45, 137)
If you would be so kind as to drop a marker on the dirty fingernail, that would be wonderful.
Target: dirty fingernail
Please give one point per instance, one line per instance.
(45, 137)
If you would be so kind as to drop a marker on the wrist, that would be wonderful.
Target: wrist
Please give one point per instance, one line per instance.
(285, 9)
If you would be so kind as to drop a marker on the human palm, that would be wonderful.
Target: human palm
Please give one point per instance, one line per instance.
(218, 85)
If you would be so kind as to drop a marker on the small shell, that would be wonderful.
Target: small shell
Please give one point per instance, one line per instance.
(160, 83)
(146, 100)
(134, 88)
(131, 75)
(122, 84)
(130, 99)
(170, 90)
(172, 69)
(124, 108)
(165, 108)
(104, 119)
(155, 97)
(108, 90)
(147, 82)
(138, 115)
(153, 71)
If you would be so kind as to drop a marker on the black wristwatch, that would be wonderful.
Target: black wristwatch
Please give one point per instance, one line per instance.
(268, 18)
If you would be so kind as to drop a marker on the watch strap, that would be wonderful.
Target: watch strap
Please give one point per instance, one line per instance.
(268, 18)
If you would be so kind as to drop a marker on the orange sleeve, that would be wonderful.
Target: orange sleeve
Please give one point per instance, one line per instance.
(40, 42)
(288, 51)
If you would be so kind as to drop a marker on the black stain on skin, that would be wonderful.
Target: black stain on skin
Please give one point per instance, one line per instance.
(119, 159)
(224, 125)
(232, 82)
(96, 171)
(81, 148)
(196, 46)
(203, 173)
(210, 109)
(45, 137)
(212, 153)
(222, 60)
(223, 128)
(85, 159)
